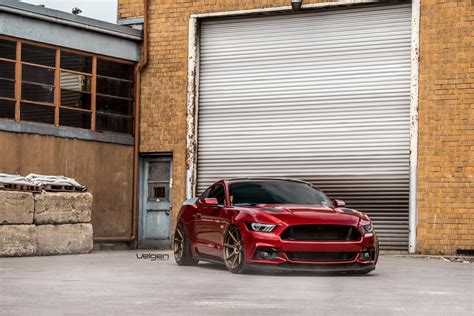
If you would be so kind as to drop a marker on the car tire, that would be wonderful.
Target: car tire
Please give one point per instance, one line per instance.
(182, 247)
(233, 251)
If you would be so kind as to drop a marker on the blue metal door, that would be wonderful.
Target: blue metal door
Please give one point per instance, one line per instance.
(155, 206)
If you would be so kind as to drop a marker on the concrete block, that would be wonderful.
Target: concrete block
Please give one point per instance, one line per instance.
(64, 239)
(17, 240)
(62, 207)
(16, 207)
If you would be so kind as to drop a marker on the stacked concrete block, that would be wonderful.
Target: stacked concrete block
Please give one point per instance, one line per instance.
(64, 239)
(17, 240)
(62, 208)
(48, 223)
(16, 207)
(17, 232)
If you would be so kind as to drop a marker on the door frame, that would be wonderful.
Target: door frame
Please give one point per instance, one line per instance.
(143, 158)
(193, 93)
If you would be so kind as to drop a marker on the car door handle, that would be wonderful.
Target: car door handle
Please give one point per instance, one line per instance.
(197, 215)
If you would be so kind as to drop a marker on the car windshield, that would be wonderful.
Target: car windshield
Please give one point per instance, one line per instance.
(275, 192)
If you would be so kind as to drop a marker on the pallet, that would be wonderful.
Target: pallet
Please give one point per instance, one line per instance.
(19, 187)
(61, 188)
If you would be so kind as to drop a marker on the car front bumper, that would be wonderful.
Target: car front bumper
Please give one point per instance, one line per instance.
(255, 241)
(355, 267)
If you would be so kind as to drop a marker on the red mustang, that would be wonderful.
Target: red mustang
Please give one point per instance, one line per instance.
(278, 224)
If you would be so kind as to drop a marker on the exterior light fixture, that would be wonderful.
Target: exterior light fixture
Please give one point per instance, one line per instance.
(296, 4)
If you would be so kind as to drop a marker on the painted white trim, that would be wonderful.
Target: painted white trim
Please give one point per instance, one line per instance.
(283, 8)
(415, 58)
(191, 111)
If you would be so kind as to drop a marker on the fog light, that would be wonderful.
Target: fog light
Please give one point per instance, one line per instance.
(365, 254)
(266, 254)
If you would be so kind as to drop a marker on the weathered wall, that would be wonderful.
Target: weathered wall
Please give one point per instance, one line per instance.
(446, 162)
(446, 127)
(105, 169)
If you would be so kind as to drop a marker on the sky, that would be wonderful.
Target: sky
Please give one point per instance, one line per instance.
(105, 10)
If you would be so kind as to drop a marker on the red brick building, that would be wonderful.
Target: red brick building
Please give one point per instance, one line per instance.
(248, 60)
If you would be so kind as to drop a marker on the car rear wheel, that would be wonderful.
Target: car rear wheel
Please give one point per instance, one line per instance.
(182, 247)
(234, 255)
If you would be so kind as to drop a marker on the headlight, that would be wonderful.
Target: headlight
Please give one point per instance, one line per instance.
(366, 229)
(260, 227)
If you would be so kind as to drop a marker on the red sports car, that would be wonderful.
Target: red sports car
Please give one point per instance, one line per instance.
(278, 224)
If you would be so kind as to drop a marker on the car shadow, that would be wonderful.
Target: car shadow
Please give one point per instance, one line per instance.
(221, 267)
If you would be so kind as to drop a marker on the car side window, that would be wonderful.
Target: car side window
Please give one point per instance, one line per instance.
(217, 192)
(205, 194)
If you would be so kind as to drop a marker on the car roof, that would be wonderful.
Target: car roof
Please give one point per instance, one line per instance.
(244, 179)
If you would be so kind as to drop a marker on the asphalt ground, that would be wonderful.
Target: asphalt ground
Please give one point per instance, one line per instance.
(118, 283)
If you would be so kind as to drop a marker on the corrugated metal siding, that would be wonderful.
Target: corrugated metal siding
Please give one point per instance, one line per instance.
(318, 96)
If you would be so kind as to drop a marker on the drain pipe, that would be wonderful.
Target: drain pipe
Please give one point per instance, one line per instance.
(136, 147)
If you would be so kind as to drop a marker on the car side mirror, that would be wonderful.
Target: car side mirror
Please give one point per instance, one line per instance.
(339, 203)
(210, 202)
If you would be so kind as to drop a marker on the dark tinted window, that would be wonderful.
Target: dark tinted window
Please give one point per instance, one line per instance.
(218, 192)
(37, 93)
(37, 113)
(76, 62)
(7, 69)
(75, 99)
(113, 87)
(7, 109)
(115, 70)
(38, 55)
(205, 194)
(7, 49)
(74, 118)
(275, 192)
(114, 123)
(113, 105)
(37, 74)
(7, 88)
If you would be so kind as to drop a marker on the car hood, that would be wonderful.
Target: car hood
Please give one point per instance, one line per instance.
(294, 214)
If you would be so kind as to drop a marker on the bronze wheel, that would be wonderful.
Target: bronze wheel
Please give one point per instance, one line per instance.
(234, 256)
(182, 248)
(178, 245)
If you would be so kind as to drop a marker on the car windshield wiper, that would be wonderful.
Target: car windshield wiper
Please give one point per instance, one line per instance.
(245, 204)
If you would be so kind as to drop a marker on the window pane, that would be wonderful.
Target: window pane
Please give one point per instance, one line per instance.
(114, 105)
(118, 124)
(37, 113)
(38, 93)
(115, 70)
(7, 49)
(7, 69)
(74, 118)
(115, 87)
(38, 55)
(75, 82)
(75, 99)
(37, 74)
(7, 109)
(7, 88)
(76, 62)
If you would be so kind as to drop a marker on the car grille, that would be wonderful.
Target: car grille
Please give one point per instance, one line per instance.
(321, 256)
(321, 233)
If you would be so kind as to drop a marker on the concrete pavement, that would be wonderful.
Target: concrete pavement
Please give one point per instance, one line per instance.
(119, 283)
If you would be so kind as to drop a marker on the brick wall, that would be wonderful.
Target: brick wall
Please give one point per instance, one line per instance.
(445, 164)
(446, 122)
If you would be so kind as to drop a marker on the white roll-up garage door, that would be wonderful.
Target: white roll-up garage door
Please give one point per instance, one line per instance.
(321, 96)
